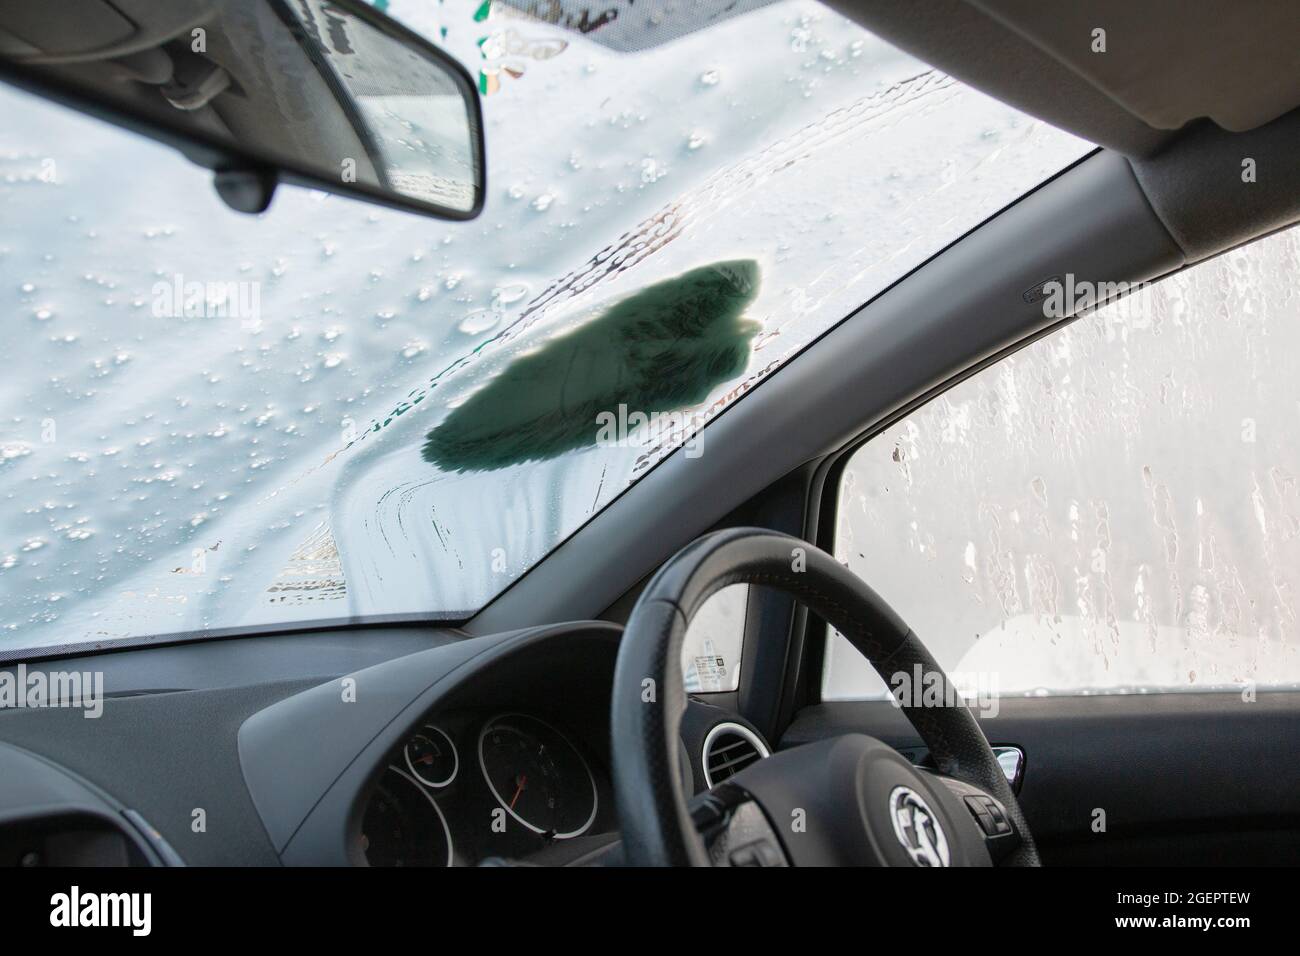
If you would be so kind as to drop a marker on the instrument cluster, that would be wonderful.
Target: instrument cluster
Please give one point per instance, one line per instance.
(464, 787)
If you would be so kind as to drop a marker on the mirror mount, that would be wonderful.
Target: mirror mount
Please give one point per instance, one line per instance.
(247, 189)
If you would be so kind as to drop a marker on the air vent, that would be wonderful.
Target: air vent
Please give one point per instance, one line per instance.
(728, 749)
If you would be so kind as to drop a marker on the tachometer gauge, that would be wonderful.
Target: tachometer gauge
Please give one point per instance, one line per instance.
(537, 776)
(403, 826)
(431, 757)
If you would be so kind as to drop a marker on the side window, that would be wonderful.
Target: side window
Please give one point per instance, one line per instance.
(713, 642)
(1115, 508)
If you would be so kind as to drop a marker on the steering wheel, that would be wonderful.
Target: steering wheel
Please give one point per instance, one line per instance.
(848, 800)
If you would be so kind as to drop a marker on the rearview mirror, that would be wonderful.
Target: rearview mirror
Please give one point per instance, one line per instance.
(325, 93)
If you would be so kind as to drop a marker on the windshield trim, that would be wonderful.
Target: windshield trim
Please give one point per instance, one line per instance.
(9, 656)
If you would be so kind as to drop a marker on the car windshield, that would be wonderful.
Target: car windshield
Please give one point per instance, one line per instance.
(336, 412)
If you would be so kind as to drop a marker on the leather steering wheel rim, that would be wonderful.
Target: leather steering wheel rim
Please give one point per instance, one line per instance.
(649, 699)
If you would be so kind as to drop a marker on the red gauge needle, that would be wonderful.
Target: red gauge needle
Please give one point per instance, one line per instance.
(523, 782)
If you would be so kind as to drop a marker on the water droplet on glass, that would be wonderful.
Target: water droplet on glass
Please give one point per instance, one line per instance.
(508, 294)
(650, 171)
(11, 450)
(480, 320)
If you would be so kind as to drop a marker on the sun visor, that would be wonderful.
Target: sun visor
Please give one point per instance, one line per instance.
(1152, 68)
(1169, 62)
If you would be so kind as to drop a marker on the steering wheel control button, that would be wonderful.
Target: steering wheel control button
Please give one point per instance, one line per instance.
(917, 828)
(990, 815)
(981, 814)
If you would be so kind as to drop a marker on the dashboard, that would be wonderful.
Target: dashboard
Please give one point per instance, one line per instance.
(387, 747)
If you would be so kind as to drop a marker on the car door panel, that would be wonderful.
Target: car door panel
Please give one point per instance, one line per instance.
(1174, 778)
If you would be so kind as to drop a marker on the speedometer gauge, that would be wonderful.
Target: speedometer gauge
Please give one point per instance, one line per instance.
(537, 776)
